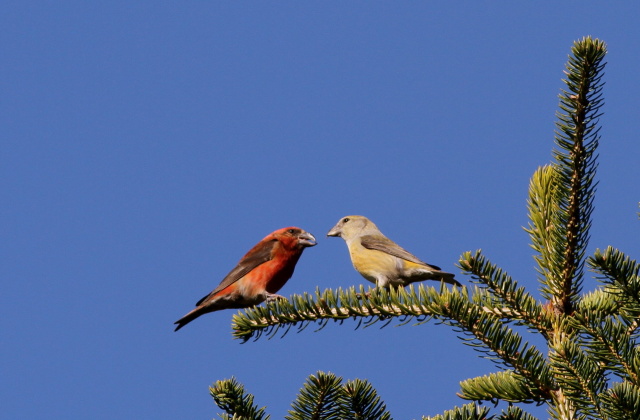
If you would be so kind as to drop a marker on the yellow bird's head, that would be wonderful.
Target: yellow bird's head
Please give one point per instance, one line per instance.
(351, 227)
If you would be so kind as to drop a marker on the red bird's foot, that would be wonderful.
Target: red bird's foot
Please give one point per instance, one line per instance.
(272, 297)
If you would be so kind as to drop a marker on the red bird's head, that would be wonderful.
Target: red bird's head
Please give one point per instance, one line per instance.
(294, 238)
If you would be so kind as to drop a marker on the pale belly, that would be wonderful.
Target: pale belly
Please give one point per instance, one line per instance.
(373, 265)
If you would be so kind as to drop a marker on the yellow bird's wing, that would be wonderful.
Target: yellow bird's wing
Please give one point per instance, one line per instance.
(386, 245)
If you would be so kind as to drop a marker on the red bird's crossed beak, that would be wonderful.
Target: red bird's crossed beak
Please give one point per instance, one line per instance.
(307, 239)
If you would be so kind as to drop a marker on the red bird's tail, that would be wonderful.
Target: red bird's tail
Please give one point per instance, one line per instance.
(200, 310)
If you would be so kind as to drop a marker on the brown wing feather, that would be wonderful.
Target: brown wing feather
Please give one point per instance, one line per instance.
(391, 248)
(245, 265)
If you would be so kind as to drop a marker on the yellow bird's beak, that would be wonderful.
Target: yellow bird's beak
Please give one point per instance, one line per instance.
(335, 231)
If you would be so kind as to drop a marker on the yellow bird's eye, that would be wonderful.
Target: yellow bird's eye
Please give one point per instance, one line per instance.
(345, 220)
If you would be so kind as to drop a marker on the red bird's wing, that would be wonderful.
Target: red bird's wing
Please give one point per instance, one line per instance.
(257, 256)
(391, 248)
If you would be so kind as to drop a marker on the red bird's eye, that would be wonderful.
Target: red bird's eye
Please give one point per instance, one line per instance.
(292, 231)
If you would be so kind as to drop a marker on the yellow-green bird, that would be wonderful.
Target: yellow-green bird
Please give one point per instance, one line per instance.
(379, 259)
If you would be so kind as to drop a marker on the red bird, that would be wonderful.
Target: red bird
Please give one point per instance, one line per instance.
(258, 275)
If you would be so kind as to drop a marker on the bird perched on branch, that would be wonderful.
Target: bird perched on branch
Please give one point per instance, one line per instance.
(259, 274)
(382, 261)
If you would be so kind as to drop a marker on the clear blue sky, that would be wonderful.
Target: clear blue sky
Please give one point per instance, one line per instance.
(146, 146)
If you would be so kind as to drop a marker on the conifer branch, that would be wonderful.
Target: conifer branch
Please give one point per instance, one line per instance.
(577, 139)
(362, 402)
(485, 331)
(466, 412)
(543, 206)
(324, 396)
(621, 276)
(610, 343)
(622, 402)
(580, 378)
(502, 386)
(372, 305)
(319, 399)
(514, 302)
(619, 271)
(230, 396)
(515, 413)
(601, 301)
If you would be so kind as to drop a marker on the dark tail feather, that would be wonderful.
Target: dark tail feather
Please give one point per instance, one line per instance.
(190, 317)
(449, 279)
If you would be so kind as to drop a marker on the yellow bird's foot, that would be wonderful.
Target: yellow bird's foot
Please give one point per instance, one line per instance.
(365, 295)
